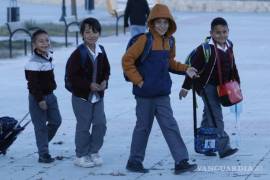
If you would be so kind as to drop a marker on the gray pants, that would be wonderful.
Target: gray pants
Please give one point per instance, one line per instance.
(211, 92)
(46, 122)
(137, 29)
(88, 114)
(146, 110)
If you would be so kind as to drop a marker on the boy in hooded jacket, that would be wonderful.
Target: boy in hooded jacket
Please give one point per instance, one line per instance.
(152, 87)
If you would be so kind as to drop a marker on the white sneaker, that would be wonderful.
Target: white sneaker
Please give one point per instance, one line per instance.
(96, 159)
(84, 161)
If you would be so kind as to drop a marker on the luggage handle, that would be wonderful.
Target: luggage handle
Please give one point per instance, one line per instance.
(18, 123)
(195, 109)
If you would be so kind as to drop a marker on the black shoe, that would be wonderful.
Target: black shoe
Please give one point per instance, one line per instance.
(184, 166)
(229, 152)
(136, 167)
(209, 153)
(45, 158)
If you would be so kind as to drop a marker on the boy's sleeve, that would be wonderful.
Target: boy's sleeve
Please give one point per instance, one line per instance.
(198, 62)
(33, 84)
(176, 66)
(187, 83)
(106, 68)
(75, 72)
(129, 59)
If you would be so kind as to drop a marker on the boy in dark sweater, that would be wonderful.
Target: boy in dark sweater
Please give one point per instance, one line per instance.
(208, 81)
(43, 105)
(88, 83)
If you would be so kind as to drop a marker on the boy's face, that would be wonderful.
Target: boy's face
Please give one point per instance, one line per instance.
(89, 36)
(220, 34)
(161, 25)
(42, 43)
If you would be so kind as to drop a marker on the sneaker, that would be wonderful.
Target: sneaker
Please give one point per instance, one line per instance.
(136, 167)
(184, 166)
(45, 158)
(209, 153)
(96, 159)
(229, 152)
(84, 161)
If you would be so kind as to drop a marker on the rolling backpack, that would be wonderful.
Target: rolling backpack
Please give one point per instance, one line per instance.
(205, 138)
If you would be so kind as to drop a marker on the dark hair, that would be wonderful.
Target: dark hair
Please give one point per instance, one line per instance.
(218, 21)
(36, 33)
(93, 23)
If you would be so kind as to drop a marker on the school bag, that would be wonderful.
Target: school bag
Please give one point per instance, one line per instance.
(10, 128)
(206, 139)
(146, 50)
(206, 51)
(84, 52)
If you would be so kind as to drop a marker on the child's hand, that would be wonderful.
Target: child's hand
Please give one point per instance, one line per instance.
(95, 87)
(103, 85)
(183, 93)
(192, 72)
(43, 105)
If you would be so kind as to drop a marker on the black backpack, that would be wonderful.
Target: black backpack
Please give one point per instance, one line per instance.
(6, 125)
(84, 52)
(146, 50)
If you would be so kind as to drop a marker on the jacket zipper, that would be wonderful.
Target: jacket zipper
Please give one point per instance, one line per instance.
(210, 73)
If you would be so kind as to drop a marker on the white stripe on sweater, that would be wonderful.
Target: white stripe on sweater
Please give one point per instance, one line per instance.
(39, 66)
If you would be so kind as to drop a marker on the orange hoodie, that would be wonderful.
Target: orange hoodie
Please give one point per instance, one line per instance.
(159, 43)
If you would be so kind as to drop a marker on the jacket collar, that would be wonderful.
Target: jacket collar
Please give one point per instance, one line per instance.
(211, 41)
(98, 50)
(49, 56)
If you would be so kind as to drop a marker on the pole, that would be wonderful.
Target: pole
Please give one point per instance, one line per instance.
(63, 10)
(74, 8)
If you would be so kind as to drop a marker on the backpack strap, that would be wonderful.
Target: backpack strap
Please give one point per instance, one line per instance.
(147, 46)
(189, 57)
(206, 51)
(84, 53)
(102, 50)
(171, 42)
(230, 42)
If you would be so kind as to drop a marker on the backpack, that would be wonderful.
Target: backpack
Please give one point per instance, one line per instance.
(6, 125)
(206, 51)
(146, 50)
(84, 52)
